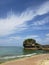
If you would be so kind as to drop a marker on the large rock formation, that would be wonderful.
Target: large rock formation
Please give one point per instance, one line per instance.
(31, 44)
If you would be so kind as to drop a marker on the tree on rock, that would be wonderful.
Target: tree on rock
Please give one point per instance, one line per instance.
(31, 43)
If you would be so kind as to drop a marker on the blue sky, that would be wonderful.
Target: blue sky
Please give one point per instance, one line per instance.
(22, 19)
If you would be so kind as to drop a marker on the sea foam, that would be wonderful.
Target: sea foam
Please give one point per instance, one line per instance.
(20, 56)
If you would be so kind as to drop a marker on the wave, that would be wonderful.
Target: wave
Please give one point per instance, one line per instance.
(14, 57)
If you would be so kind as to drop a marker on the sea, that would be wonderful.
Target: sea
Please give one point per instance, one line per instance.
(13, 52)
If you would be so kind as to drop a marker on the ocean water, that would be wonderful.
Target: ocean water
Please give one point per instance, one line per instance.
(13, 52)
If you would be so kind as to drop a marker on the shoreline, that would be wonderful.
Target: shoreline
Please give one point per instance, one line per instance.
(11, 58)
(35, 60)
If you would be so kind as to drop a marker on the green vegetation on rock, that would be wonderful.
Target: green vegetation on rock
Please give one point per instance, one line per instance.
(31, 44)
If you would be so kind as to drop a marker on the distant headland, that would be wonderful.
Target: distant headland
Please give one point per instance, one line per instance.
(32, 44)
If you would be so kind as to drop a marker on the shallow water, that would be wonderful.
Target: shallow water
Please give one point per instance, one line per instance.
(13, 52)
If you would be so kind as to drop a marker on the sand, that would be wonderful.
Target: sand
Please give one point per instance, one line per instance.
(42, 59)
(45, 62)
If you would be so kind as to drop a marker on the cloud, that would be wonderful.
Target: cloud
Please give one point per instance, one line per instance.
(11, 41)
(31, 36)
(43, 9)
(40, 28)
(14, 22)
(46, 40)
(39, 39)
(41, 22)
(18, 22)
(22, 38)
(16, 40)
(36, 37)
(47, 35)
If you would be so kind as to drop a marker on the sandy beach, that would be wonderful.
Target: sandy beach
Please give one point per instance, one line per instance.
(42, 59)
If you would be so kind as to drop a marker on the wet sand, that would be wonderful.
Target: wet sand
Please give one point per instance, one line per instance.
(42, 59)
